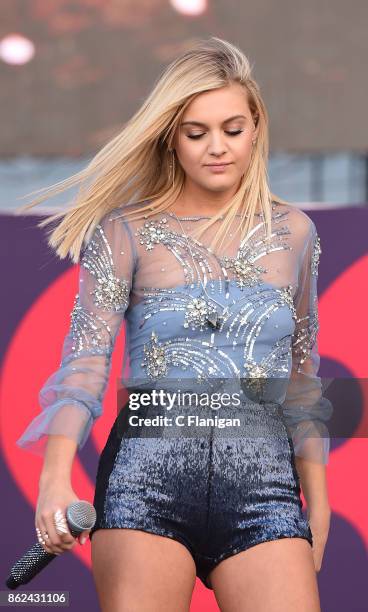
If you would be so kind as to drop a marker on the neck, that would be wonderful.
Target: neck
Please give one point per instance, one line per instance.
(194, 200)
(194, 207)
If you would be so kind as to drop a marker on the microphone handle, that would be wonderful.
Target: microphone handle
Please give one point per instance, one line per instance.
(32, 562)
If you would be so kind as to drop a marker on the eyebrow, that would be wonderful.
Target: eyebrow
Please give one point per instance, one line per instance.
(204, 125)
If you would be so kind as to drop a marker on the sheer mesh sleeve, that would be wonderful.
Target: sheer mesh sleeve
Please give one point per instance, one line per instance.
(305, 408)
(71, 398)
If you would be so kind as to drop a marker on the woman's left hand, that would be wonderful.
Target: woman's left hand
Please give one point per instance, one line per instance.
(319, 521)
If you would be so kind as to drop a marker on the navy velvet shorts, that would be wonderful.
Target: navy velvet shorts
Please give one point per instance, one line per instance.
(217, 496)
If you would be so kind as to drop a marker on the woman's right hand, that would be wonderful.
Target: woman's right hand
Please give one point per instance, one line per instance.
(54, 495)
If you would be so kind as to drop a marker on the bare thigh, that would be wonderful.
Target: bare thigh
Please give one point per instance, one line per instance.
(136, 571)
(276, 576)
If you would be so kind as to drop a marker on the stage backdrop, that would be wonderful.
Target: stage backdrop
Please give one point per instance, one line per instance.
(38, 293)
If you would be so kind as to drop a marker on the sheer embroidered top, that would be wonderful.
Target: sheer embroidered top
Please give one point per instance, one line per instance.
(258, 317)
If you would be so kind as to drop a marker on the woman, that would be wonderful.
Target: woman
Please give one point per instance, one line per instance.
(216, 279)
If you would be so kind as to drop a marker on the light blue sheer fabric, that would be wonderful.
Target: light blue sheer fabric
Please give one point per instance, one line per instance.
(257, 318)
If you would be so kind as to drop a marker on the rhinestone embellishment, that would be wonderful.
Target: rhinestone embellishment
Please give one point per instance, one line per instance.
(316, 255)
(256, 375)
(287, 297)
(88, 331)
(304, 337)
(110, 292)
(153, 232)
(199, 313)
(154, 358)
(246, 271)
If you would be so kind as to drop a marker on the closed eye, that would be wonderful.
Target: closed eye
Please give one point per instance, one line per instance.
(196, 136)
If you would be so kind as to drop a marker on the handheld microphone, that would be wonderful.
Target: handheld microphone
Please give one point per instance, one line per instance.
(80, 515)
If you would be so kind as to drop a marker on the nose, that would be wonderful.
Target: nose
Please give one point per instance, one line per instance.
(216, 146)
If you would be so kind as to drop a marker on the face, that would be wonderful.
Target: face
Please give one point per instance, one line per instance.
(217, 127)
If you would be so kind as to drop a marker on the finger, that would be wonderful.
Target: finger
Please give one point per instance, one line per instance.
(50, 539)
(62, 529)
(43, 537)
(54, 539)
(83, 537)
(39, 529)
(317, 559)
(67, 542)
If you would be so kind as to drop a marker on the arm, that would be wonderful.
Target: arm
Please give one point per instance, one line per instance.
(71, 398)
(314, 485)
(58, 461)
(305, 409)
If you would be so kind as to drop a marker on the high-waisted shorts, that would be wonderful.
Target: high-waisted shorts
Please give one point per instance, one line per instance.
(215, 495)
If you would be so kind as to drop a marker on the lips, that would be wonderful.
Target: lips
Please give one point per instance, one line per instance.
(217, 168)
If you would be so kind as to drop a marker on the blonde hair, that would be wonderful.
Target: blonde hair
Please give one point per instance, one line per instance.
(135, 165)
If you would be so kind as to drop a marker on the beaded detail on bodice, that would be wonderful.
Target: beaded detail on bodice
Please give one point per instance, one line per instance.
(247, 309)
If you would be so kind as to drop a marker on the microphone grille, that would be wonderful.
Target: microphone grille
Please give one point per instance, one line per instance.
(81, 515)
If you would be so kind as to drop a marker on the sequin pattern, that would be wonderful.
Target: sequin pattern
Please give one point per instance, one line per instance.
(109, 291)
(253, 248)
(304, 337)
(196, 309)
(196, 316)
(316, 255)
(88, 331)
(201, 358)
(242, 265)
(242, 322)
(191, 313)
(217, 497)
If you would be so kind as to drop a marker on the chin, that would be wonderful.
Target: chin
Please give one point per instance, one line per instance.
(217, 188)
(217, 183)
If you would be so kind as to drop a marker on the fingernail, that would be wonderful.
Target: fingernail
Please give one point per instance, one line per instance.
(83, 540)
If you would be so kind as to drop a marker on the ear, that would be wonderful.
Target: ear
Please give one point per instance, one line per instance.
(256, 123)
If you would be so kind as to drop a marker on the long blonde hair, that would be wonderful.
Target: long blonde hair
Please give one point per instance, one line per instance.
(134, 167)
